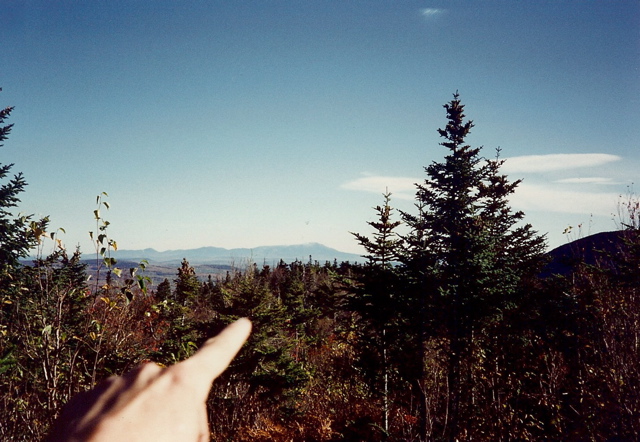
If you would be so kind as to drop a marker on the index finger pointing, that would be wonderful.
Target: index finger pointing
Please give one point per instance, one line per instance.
(217, 353)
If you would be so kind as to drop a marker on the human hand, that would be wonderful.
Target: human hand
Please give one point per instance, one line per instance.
(151, 403)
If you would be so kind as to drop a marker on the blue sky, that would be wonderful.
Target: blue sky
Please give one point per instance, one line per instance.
(240, 124)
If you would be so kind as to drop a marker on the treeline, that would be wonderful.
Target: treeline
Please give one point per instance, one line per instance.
(447, 332)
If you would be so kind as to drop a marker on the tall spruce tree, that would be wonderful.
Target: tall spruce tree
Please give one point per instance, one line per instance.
(466, 255)
(376, 298)
(187, 284)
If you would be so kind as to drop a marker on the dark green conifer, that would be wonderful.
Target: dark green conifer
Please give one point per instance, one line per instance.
(163, 292)
(466, 254)
(187, 284)
(377, 301)
(18, 234)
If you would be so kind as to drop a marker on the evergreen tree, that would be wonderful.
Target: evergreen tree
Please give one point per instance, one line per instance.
(18, 234)
(42, 311)
(376, 298)
(466, 255)
(187, 284)
(383, 250)
(163, 292)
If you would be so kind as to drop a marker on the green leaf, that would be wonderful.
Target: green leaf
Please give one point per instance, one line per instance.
(142, 284)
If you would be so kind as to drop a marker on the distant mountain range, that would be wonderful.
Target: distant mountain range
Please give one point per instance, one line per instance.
(208, 260)
(216, 260)
(259, 255)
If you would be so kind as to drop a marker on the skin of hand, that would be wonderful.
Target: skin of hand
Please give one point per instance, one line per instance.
(151, 403)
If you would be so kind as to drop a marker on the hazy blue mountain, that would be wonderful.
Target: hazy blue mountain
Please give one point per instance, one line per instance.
(259, 255)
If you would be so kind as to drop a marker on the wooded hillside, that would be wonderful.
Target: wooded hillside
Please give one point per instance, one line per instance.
(447, 332)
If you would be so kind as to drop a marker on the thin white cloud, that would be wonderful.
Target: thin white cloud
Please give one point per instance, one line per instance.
(557, 196)
(549, 198)
(400, 187)
(587, 180)
(559, 161)
(430, 12)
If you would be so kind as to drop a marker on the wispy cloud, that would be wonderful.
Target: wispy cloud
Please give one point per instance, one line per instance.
(430, 12)
(400, 187)
(587, 180)
(555, 195)
(559, 161)
(550, 198)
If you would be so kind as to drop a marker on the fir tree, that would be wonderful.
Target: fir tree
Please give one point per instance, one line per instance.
(466, 254)
(382, 251)
(187, 284)
(163, 291)
(376, 298)
(18, 234)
